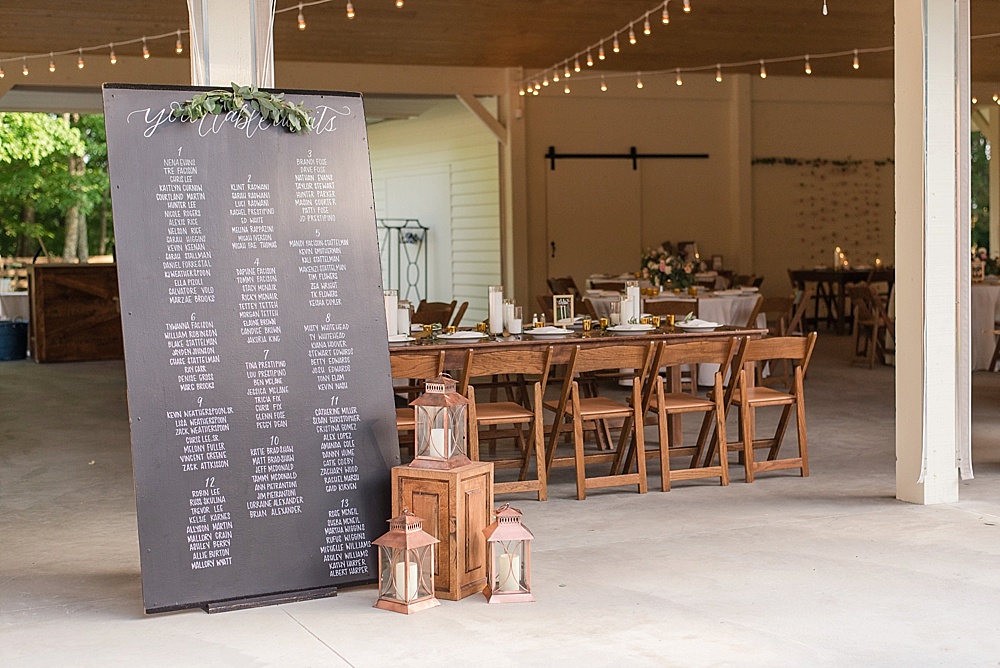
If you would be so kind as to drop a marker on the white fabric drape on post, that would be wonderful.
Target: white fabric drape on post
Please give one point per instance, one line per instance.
(232, 41)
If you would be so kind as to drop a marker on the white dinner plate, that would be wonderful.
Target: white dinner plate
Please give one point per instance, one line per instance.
(549, 333)
(631, 329)
(697, 326)
(462, 337)
(400, 339)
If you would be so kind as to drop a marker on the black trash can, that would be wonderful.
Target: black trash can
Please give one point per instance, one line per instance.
(13, 340)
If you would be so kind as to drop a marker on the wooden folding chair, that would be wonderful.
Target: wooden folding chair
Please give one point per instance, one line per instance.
(778, 311)
(666, 404)
(416, 367)
(752, 317)
(527, 413)
(459, 314)
(564, 285)
(675, 307)
(601, 410)
(871, 322)
(749, 398)
(428, 313)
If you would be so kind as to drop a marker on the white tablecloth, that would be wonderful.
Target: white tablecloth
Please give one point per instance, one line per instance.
(14, 306)
(985, 306)
(723, 309)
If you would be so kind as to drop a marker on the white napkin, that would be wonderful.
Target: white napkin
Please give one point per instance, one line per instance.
(549, 330)
(633, 325)
(695, 322)
(463, 335)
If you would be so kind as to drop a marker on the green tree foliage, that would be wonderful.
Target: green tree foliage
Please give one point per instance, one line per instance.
(38, 186)
(980, 191)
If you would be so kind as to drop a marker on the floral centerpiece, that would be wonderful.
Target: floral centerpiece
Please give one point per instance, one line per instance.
(991, 265)
(667, 270)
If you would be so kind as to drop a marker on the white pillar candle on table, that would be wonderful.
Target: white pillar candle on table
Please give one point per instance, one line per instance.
(437, 445)
(406, 589)
(509, 572)
(403, 320)
(626, 310)
(635, 301)
(496, 309)
(391, 309)
(515, 326)
(508, 315)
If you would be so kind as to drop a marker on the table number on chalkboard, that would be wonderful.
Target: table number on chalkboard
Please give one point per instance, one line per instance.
(263, 427)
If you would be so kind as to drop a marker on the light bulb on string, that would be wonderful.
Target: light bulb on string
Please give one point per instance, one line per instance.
(665, 16)
(763, 70)
(52, 63)
(350, 9)
(590, 59)
(2, 74)
(718, 73)
(857, 63)
(537, 85)
(566, 73)
(809, 69)
(825, 10)
(24, 69)
(555, 75)
(534, 91)
(566, 89)
(521, 91)
(604, 86)
(600, 52)
(687, 6)
(638, 79)
(679, 81)
(645, 26)
(545, 81)
(996, 97)
(301, 18)
(79, 60)
(631, 34)
(179, 45)
(399, 3)
(975, 100)
(145, 49)
(114, 58)
(614, 45)
(576, 64)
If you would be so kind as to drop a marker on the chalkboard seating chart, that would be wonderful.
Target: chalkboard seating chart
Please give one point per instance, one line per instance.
(260, 397)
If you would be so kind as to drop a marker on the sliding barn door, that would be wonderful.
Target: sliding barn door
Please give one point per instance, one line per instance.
(594, 218)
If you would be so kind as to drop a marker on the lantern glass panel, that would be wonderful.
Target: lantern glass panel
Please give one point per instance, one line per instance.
(424, 557)
(387, 556)
(440, 431)
(509, 563)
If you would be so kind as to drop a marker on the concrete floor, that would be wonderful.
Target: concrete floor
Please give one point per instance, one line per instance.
(826, 570)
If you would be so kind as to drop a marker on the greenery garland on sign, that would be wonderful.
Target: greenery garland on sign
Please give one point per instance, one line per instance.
(243, 99)
(819, 162)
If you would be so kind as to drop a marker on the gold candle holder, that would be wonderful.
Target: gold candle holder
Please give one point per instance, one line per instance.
(656, 321)
(646, 320)
(671, 319)
(452, 329)
(587, 324)
(605, 323)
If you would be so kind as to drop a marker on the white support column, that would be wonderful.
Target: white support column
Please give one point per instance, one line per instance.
(932, 242)
(993, 137)
(232, 41)
(740, 170)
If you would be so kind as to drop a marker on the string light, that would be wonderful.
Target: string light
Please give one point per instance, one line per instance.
(521, 91)
(537, 85)
(665, 17)
(399, 3)
(857, 64)
(604, 86)
(718, 73)
(534, 91)
(567, 74)
(614, 46)
(763, 70)
(145, 49)
(545, 81)
(555, 76)
(79, 60)
(638, 79)
(996, 97)
(2, 75)
(825, 10)
(645, 26)
(600, 52)
(679, 81)
(576, 64)
(52, 63)
(350, 9)
(114, 58)
(302, 19)
(687, 6)
(179, 46)
(809, 69)
(24, 70)
(590, 59)
(566, 89)
(631, 34)
(975, 100)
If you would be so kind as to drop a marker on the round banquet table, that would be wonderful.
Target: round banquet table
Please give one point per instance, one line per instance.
(723, 309)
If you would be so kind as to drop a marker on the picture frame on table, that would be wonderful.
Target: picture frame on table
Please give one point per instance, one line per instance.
(716, 263)
(562, 309)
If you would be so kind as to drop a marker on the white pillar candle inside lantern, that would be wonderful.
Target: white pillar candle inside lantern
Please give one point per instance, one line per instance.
(406, 566)
(391, 308)
(496, 309)
(441, 415)
(508, 558)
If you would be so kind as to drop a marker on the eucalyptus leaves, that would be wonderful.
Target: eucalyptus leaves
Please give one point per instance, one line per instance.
(245, 100)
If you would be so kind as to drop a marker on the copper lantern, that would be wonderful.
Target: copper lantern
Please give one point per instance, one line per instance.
(406, 566)
(441, 416)
(508, 558)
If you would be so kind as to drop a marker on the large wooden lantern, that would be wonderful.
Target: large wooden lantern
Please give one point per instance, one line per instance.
(406, 566)
(442, 420)
(508, 558)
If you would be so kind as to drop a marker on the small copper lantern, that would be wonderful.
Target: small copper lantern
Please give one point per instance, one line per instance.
(406, 566)
(508, 553)
(442, 419)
